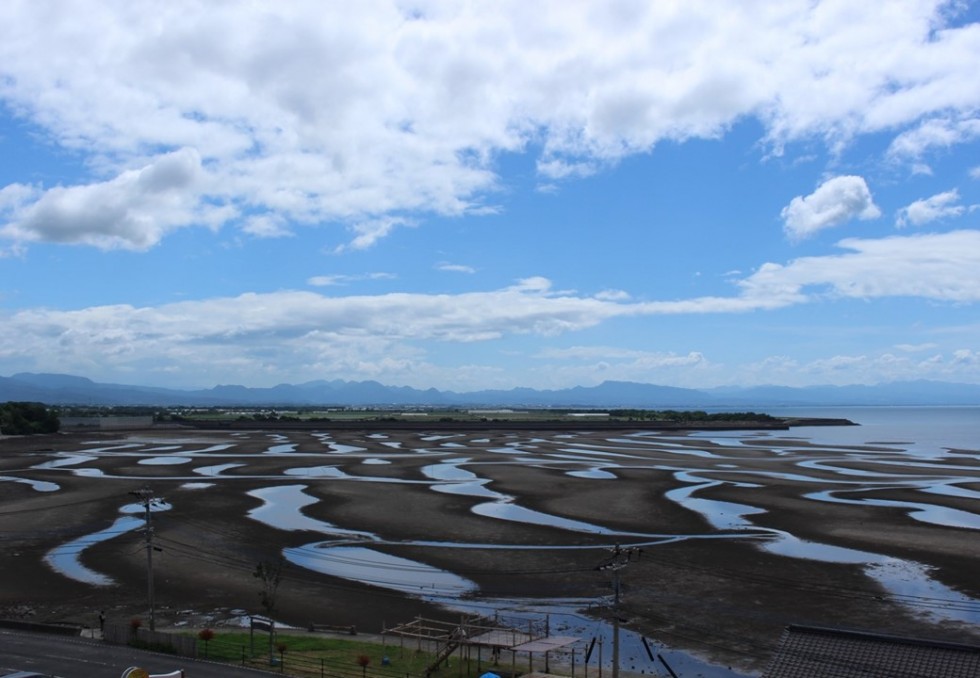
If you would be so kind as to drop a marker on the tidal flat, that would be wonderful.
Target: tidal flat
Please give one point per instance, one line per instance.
(731, 536)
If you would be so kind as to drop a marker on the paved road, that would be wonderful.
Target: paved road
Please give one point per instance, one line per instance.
(84, 658)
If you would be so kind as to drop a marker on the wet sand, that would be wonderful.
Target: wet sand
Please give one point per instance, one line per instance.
(706, 583)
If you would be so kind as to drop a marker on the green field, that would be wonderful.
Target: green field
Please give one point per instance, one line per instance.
(309, 655)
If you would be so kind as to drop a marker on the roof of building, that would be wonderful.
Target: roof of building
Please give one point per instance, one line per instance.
(813, 652)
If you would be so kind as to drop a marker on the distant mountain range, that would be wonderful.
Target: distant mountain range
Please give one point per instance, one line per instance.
(63, 389)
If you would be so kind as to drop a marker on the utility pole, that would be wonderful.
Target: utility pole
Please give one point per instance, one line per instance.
(620, 558)
(146, 498)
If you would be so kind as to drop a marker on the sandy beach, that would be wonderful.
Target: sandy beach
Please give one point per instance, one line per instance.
(733, 539)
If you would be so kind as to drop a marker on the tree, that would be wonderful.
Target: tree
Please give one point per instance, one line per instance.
(22, 418)
(270, 574)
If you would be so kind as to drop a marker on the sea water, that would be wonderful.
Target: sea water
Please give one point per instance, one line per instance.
(912, 428)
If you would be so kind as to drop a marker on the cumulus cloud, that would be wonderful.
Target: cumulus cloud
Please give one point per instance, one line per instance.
(132, 211)
(836, 201)
(939, 206)
(345, 114)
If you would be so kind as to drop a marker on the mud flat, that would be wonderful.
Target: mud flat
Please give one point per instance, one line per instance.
(733, 534)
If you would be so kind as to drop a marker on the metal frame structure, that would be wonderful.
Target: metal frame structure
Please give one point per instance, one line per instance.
(479, 633)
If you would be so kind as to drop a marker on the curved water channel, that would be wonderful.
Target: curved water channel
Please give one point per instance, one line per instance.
(839, 475)
(66, 559)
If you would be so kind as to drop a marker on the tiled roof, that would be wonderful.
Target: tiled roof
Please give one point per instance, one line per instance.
(810, 652)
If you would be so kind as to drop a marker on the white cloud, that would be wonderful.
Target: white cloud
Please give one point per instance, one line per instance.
(326, 280)
(560, 169)
(132, 211)
(939, 206)
(921, 169)
(262, 338)
(633, 357)
(934, 133)
(344, 279)
(836, 201)
(841, 363)
(944, 267)
(14, 251)
(915, 348)
(349, 113)
(455, 268)
(872, 368)
(371, 231)
(589, 365)
(251, 333)
(613, 295)
(966, 357)
(266, 226)
(16, 196)
(975, 173)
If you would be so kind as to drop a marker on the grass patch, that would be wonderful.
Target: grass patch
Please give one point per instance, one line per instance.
(306, 655)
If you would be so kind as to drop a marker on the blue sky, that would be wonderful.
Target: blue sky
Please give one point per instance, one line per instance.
(491, 195)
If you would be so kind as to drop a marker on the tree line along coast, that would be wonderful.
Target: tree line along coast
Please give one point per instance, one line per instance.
(27, 418)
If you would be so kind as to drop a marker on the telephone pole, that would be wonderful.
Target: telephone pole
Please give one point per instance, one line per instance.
(146, 498)
(620, 558)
